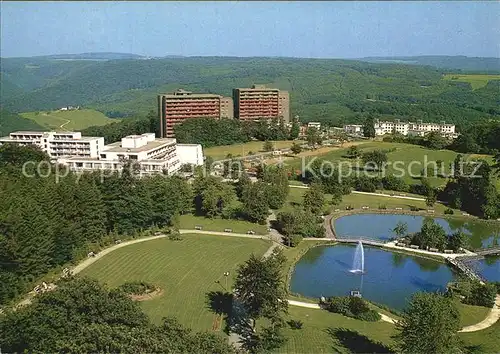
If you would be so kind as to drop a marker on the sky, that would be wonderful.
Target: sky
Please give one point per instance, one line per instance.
(289, 29)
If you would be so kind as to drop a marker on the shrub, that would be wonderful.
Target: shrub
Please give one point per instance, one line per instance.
(136, 288)
(295, 324)
(175, 235)
(382, 207)
(352, 306)
(449, 211)
(414, 208)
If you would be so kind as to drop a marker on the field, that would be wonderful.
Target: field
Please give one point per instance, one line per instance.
(476, 81)
(357, 201)
(185, 270)
(404, 160)
(68, 120)
(220, 152)
(189, 221)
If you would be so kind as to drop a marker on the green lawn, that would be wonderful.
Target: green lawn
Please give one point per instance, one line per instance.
(485, 341)
(406, 161)
(359, 200)
(189, 221)
(476, 80)
(470, 315)
(185, 270)
(220, 152)
(68, 120)
(325, 332)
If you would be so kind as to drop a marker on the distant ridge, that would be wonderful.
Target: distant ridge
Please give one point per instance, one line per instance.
(464, 63)
(91, 56)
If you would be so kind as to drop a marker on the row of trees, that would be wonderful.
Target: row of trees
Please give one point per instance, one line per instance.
(210, 132)
(472, 189)
(432, 235)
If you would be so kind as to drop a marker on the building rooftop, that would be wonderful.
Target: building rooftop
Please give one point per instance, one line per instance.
(117, 147)
(30, 132)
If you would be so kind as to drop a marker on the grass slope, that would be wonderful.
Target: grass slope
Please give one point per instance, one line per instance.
(10, 122)
(475, 80)
(405, 160)
(68, 120)
(185, 270)
(220, 152)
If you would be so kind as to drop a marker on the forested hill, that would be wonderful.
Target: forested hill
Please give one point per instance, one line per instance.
(460, 63)
(325, 90)
(10, 122)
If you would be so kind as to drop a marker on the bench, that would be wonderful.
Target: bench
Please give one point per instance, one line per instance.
(228, 230)
(197, 227)
(415, 247)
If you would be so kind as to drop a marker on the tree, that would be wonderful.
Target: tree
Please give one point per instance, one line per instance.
(268, 146)
(435, 141)
(260, 287)
(431, 235)
(430, 198)
(429, 325)
(369, 128)
(277, 186)
(83, 316)
(353, 152)
(457, 241)
(401, 229)
(242, 183)
(314, 199)
(313, 137)
(296, 148)
(375, 159)
(295, 129)
(255, 202)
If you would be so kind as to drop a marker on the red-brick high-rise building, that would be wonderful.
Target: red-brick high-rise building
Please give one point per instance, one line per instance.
(260, 102)
(173, 108)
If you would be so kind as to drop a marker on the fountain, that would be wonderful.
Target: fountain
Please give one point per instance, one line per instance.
(358, 262)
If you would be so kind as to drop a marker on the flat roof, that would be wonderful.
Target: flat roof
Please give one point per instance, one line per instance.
(117, 147)
(30, 132)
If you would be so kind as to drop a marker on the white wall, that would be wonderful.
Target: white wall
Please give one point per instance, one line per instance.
(190, 154)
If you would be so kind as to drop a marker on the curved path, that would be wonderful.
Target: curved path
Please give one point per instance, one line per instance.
(489, 321)
(308, 305)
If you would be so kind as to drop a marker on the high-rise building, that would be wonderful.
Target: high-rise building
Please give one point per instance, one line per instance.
(173, 108)
(261, 102)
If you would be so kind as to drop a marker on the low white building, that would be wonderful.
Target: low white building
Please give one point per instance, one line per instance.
(58, 144)
(149, 154)
(191, 154)
(355, 129)
(316, 125)
(414, 129)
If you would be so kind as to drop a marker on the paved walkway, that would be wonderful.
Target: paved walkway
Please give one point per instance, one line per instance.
(370, 193)
(489, 321)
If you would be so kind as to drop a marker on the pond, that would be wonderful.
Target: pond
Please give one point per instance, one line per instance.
(389, 278)
(380, 226)
(489, 267)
